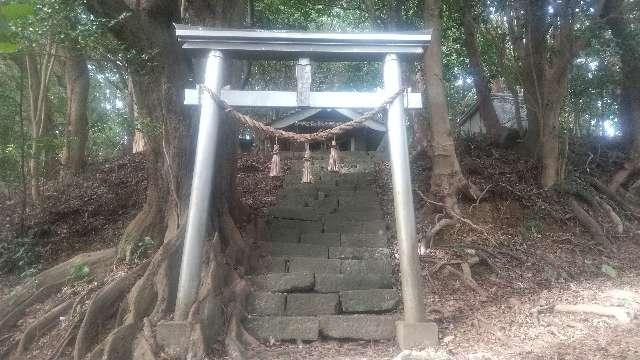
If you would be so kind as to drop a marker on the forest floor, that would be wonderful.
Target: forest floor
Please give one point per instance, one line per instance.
(534, 255)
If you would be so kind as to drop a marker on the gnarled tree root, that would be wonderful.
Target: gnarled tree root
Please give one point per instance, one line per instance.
(102, 306)
(37, 328)
(590, 223)
(49, 282)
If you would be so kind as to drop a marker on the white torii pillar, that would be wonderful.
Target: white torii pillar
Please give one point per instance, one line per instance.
(413, 331)
(201, 185)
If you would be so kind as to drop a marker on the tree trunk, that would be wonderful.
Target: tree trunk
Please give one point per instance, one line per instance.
(629, 106)
(447, 175)
(487, 111)
(534, 55)
(76, 133)
(38, 74)
(555, 92)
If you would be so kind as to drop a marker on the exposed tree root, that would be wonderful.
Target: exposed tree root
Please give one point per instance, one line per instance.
(615, 219)
(590, 223)
(119, 344)
(450, 208)
(49, 282)
(623, 174)
(102, 306)
(614, 197)
(42, 324)
(623, 314)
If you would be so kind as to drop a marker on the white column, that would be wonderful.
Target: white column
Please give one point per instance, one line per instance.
(201, 185)
(412, 288)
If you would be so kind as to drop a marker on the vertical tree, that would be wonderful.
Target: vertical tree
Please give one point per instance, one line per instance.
(76, 72)
(617, 15)
(487, 111)
(547, 42)
(447, 180)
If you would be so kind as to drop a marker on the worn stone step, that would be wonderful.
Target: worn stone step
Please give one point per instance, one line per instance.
(283, 327)
(296, 226)
(356, 215)
(294, 213)
(276, 264)
(323, 206)
(315, 265)
(337, 224)
(265, 303)
(326, 239)
(369, 266)
(311, 304)
(373, 300)
(358, 327)
(328, 283)
(283, 282)
(284, 235)
(341, 252)
(299, 250)
(363, 240)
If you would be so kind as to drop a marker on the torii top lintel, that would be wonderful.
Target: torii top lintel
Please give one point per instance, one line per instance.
(291, 44)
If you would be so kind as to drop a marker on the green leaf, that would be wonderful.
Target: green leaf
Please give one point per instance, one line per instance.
(8, 48)
(609, 270)
(16, 11)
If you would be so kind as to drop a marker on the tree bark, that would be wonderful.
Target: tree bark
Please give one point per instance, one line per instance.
(545, 74)
(487, 111)
(158, 85)
(629, 106)
(446, 177)
(76, 132)
(38, 75)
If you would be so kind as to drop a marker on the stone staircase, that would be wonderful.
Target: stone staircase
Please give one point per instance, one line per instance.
(330, 272)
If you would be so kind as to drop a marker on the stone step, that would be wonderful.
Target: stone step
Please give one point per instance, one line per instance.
(326, 239)
(341, 252)
(311, 304)
(337, 266)
(296, 226)
(336, 224)
(283, 327)
(358, 327)
(283, 282)
(283, 249)
(369, 266)
(315, 265)
(283, 235)
(363, 240)
(266, 303)
(373, 300)
(328, 283)
(323, 206)
(294, 213)
(371, 214)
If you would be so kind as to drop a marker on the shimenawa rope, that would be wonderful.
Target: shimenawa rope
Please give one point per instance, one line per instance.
(317, 136)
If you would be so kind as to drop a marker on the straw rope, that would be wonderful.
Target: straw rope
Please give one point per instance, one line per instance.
(317, 136)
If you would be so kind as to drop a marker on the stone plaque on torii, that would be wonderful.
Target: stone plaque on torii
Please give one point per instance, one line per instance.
(390, 48)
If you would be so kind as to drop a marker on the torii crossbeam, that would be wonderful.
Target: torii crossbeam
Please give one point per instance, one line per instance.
(391, 49)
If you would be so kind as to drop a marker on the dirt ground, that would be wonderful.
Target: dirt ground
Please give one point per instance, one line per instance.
(532, 255)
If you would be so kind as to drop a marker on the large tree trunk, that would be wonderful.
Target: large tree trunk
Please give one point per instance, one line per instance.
(76, 133)
(629, 106)
(555, 92)
(447, 180)
(487, 111)
(446, 176)
(534, 55)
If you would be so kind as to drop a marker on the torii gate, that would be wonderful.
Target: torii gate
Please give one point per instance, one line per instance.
(391, 48)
